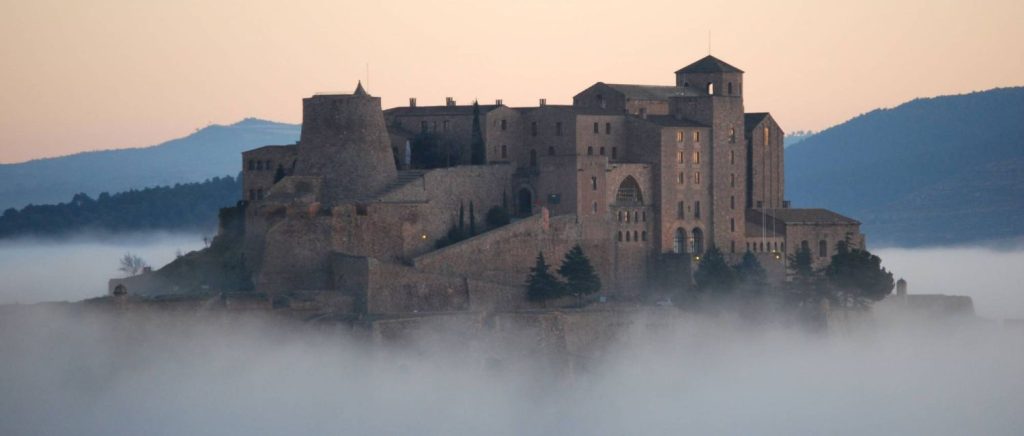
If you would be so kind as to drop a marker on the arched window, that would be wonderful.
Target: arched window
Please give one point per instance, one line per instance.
(822, 248)
(636, 216)
(711, 88)
(629, 193)
(679, 243)
(698, 241)
(635, 234)
(627, 236)
(766, 135)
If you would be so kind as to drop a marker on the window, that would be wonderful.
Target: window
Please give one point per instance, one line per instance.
(732, 202)
(627, 236)
(595, 207)
(504, 151)
(732, 131)
(805, 246)
(533, 158)
(732, 246)
(679, 242)
(504, 125)
(732, 180)
(698, 241)
(822, 248)
(558, 128)
(679, 136)
(696, 178)
(444, 127)
(600, 100)
(643, 215)
(635, 234)
(767, 135)
(696, 136)
(259, 165)
(597, 128)
(711, 88)
(643, 235)
(533, 128)
(551, 151)
(361, 209)
(680, 157)
(682, 178)
(629, 193)
(696, 209)
(593, 184)
(728, 87)
(732, 157)
(615, 152)
(636, 216)
(252, 165)
(602, 151)
(620, 235)
(607, 128)
(627, 216)
(620, 216)
(732, 224)
(696, 157)
(590, 151)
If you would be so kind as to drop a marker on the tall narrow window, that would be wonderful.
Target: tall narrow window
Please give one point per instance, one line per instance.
(615, 152)
(732, 246)
(602, 151)
(595, 208)
(504, 125)
(679, 136)
(732, 157)
(597, 128)
(696, 157)
(504, 152)
(593, 183)
(732, 180)
(732, 132)
(558, 128)
(766, 135)
(696, 209)
(590, 151)
(682, 178)
(696, 136)
(822, 248)
(696, 178)
(259, 165)
(533, 128)
(607, 128)
(728, 87)
(711, 88)
(732, 224)
(732, 202)
(680, 157)
(681, 210)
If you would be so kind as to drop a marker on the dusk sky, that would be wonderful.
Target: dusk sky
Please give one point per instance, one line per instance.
(100, 74)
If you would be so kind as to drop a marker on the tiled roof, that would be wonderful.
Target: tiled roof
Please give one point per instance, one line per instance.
(651, 92)
(709, 64)
(673, 121)
(808, 216)
(463, 110)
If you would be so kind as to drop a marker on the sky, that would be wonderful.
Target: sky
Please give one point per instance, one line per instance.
(102, 74)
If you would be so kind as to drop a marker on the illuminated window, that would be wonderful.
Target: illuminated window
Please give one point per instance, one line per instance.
(696, 178)
(732, 130)
(680, 157)
(696, 136)
(679, 136)
(766, 135)
(696, 157)
(711, 88)
(593, 183)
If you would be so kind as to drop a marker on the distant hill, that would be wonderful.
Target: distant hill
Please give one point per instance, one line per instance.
(188, 206)
(210, 152)
(794, 138)
(944, 170)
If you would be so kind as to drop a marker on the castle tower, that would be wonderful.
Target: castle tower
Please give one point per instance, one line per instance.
(717, 102)
(344, 140)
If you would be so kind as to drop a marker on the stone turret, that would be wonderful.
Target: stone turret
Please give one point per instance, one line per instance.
(345, 142)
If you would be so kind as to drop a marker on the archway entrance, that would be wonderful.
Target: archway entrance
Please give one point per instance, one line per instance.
(525, 202)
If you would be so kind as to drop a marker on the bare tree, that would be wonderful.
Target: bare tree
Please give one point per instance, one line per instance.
(132, 265)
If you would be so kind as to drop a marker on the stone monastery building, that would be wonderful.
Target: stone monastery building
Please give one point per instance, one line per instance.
(630, 172)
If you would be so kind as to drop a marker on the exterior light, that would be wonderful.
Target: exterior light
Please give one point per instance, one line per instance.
(423, 236)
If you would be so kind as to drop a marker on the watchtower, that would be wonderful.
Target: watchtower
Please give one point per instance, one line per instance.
(345, 141)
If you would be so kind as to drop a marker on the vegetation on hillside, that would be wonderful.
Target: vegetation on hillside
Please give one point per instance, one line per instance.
(189, 206)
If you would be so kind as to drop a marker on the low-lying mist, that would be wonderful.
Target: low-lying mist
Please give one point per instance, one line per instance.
(68, 372)
(76, 268)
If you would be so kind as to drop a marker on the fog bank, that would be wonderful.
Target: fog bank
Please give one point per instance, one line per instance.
(68, 373)
(76, 268)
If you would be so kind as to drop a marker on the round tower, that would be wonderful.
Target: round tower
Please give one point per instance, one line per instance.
(344, 140)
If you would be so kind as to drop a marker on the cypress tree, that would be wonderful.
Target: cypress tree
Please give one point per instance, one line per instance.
(477, 149)
(462, 218)
(472, 220)
(750, 274)
(581, 279)
(541, 284)
(713, 274)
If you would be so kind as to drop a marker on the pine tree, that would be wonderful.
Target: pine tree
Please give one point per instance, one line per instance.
(541, 284)
(804, 281)
(713, 274)
(857, 276)
(581, 279)
(750, 274)
(477, 150)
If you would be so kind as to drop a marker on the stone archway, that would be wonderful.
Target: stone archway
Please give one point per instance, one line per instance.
(524, 202)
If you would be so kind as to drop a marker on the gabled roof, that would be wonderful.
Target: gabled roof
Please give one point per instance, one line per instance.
(808, 216)
(751, 120)
(709, 64)
(673, 121)
(650, 92)
(463, 110)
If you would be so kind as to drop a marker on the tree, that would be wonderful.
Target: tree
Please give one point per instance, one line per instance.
(462, 219)
(278, 174)
(132, 265)
(804, 282)
(581, 279)
(430, 150)
(713, 274)
(541, 284)
(750, 275)
(477, 149)
(497, 216)
(472, 220)
(856, 277)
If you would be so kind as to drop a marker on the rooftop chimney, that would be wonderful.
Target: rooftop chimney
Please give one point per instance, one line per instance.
(499, 102)
(448, 101)
(412, 101)
(543, 102)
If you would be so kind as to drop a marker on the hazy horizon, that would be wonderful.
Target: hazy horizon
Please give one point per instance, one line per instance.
(115, 74)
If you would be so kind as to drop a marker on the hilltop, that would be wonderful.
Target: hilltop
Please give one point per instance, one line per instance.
(212, 151)
(932, 171)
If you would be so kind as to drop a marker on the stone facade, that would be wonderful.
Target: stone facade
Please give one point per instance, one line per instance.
(628, 172)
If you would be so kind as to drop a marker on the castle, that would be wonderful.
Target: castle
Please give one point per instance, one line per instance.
(629, 172)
